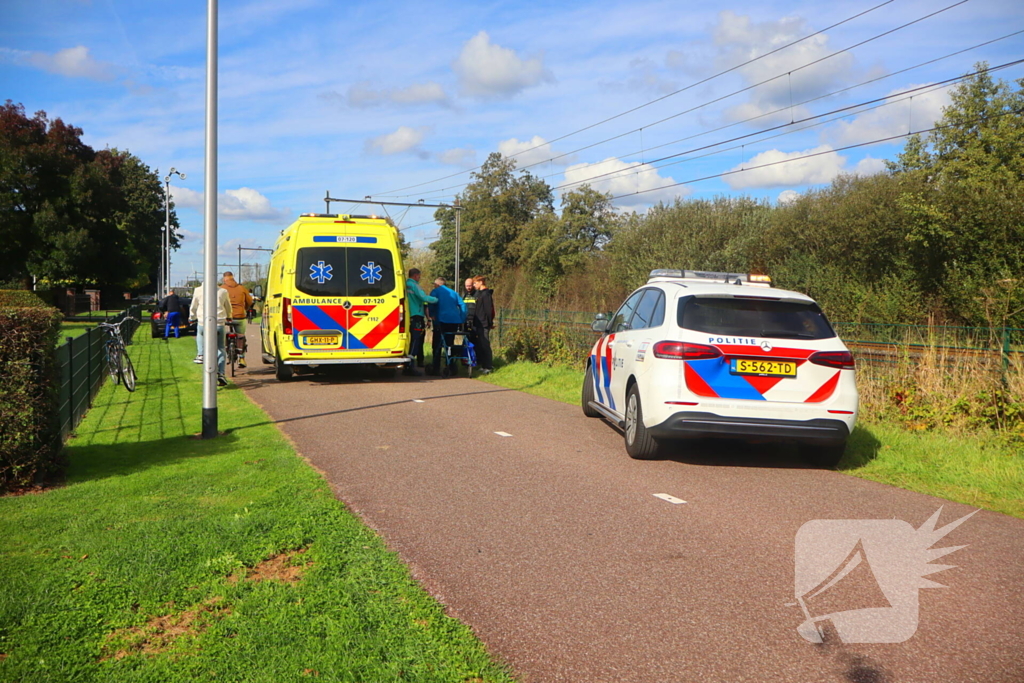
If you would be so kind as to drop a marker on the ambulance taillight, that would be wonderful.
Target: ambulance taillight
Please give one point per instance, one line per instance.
(286, 315)
(401, 316)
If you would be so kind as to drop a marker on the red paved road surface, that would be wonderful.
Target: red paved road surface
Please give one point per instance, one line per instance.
(552, 546)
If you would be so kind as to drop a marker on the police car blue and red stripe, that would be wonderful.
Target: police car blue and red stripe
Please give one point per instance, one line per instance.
(698, 354)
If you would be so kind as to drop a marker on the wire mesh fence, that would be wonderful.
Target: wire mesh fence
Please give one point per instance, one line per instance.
(872, 343)
(82, 366)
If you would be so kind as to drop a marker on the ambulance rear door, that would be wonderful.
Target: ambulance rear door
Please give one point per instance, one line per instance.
(348, 296)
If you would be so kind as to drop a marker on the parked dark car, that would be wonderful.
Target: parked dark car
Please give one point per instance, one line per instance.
(159, 325)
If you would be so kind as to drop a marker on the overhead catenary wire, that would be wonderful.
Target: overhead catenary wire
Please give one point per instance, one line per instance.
(827, 95)
(659, 99)
(858, 108)
(810, 155)
(861, 107)
(786, 74)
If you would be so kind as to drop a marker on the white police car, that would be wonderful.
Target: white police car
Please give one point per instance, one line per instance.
(698, 354)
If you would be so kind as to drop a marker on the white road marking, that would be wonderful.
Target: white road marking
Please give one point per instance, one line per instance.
(418, 400)
(502, 433)
(668, 498)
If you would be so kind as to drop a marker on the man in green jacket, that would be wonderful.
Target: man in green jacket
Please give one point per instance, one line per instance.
(417, 297)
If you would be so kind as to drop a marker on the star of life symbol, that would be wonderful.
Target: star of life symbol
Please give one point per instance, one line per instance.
(370, 272)
(863, 575)
(320, 272)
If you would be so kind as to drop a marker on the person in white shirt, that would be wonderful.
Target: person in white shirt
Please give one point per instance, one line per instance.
(223, 317)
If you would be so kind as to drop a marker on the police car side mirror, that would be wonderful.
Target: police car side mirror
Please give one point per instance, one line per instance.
(600, 323)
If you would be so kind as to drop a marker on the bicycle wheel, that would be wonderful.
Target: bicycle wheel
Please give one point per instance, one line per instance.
(232, 350)
(127, 371)
(114, 362)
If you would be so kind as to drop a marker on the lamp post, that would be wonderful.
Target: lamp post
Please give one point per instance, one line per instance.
(165, 263)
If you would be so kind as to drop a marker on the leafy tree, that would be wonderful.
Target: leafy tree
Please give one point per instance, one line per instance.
(498, 204)
(69, 214)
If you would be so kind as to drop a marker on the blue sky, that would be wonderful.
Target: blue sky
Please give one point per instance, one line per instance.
(364, 98)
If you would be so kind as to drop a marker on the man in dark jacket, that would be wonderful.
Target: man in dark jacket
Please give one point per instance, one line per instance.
(171, 306)
(483, 323)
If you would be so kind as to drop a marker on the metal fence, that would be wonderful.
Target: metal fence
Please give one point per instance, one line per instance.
(81, 367)
(872, 343)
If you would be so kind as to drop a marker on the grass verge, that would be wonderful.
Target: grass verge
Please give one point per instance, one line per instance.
(980, 468)
(73, 330)
(167, 558)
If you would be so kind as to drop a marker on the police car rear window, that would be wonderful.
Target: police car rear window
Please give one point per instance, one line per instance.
(753, 318)
(344, 271)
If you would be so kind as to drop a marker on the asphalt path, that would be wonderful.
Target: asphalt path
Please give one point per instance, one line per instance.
(552, 544)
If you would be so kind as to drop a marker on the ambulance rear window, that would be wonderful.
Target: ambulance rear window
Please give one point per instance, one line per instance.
(344, 271)
(751, 317)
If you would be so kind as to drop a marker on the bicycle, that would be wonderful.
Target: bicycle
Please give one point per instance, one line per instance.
(235, 345)
(119, 365)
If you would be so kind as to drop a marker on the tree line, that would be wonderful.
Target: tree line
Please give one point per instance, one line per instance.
(938, 236)
(72, 215)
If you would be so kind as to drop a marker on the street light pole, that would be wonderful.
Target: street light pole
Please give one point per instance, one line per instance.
(165, 261)
(210, 333)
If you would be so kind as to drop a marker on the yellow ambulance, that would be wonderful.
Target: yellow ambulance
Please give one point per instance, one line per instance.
(335, 295)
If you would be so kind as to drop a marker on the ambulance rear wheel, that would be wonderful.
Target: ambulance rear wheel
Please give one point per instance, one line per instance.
(281, 371)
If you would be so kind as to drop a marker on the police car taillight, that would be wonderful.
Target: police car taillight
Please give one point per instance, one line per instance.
(286, 315)
(676, 350)
(833, 359)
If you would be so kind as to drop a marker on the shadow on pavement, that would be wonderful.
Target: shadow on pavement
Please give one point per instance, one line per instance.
(716, 452)
(357, 409)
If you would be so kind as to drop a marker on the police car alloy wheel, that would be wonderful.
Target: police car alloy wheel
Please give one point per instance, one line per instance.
(639, 443)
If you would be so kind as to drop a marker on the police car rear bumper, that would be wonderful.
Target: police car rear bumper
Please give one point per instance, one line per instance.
(821, 431)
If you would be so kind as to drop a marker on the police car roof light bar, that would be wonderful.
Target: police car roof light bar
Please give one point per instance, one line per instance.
(711, 276)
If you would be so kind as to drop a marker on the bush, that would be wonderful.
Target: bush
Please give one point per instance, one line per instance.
(29, 445)
(546, 343)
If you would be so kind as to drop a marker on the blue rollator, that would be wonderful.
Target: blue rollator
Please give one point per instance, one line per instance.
(452, 352)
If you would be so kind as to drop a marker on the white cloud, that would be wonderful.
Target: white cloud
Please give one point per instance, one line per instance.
(533, 151)
(893, 119)
(73, 62)
(869, 166)
(788, 197)
(789, 169)
(487, 70)
(244, 203)
(739, 39)
(402, 140)
(362, 95)
(459, 156)
(639, 178)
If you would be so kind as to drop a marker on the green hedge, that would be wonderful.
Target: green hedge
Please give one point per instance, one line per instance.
(29, 447)
(20, 298)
